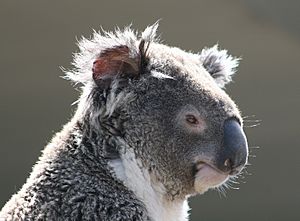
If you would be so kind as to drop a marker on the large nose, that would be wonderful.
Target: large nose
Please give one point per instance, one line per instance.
(234, 154)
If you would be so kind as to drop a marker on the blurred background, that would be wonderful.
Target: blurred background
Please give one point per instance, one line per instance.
(37, 37)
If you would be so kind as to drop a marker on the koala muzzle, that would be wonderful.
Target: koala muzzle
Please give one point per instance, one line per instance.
(234, 154)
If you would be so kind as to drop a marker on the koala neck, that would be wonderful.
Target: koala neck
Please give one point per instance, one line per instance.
(129, 170)
(105, 123)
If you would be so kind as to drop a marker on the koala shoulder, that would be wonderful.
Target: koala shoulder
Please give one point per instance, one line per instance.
(111, 202)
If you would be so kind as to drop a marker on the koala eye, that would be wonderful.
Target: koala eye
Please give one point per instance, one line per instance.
(191, 119)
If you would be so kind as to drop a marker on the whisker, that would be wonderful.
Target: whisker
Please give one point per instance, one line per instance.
(251, 126)
(252, 122)
(257, 121)
(247, 173)
(234, 181)
(222, 191)
(254, 147)
(248, 116)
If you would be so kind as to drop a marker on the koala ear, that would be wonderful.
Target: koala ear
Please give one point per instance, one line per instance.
(219, 64)
(118, 62)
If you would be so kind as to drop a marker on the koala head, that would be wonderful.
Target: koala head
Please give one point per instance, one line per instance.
(167, 105)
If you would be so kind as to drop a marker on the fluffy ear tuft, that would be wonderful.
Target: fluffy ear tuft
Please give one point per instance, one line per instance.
(219, 64)
(111, 54)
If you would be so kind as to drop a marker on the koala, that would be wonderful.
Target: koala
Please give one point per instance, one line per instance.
(153, 126)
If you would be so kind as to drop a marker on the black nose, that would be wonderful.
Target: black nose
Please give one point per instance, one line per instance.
(234, 153)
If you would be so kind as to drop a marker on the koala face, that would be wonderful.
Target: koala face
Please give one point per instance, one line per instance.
(179, 122)
(188, 129)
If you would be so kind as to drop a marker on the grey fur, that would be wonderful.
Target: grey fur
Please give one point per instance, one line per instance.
(139, 114)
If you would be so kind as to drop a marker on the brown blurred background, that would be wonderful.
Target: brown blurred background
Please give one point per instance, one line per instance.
(37, 37)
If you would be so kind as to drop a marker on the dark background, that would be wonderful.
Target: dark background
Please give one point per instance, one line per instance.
(37, 37)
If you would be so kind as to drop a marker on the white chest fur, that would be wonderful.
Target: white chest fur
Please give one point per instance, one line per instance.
(151, 194)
